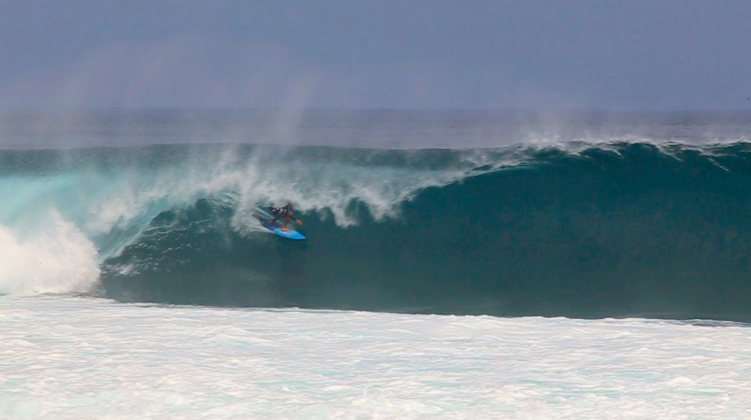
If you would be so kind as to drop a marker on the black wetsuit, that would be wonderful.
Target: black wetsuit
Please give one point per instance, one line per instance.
(280, 212)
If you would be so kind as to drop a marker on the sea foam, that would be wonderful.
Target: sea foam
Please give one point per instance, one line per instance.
(57, 258)
(81, 359)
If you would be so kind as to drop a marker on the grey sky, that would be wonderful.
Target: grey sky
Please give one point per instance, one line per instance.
(609, 55)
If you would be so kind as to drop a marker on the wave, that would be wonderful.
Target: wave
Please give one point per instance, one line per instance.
(580, 229)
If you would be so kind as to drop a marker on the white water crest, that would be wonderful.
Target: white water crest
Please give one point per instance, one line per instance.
(112, 195)
(79, 359)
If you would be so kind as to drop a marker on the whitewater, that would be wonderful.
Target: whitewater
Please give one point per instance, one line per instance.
(68, 358)
(459, 265)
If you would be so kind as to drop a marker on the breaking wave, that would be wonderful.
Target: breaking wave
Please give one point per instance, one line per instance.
(585, 229)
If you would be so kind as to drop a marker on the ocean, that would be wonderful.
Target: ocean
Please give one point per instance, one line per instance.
(459, 265)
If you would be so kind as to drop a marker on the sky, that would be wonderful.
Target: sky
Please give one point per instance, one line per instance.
(377, 54)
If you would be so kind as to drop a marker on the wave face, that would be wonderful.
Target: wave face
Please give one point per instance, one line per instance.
(585, 230)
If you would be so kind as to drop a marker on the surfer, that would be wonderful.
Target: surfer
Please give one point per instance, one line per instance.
(285, 212)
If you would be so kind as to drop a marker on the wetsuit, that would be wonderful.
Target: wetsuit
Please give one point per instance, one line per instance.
(279, 213)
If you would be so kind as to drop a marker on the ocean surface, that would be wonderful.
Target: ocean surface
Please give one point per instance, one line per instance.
(459, 265)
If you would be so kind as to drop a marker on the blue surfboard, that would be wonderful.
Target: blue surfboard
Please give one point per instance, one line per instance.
(276, 228)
